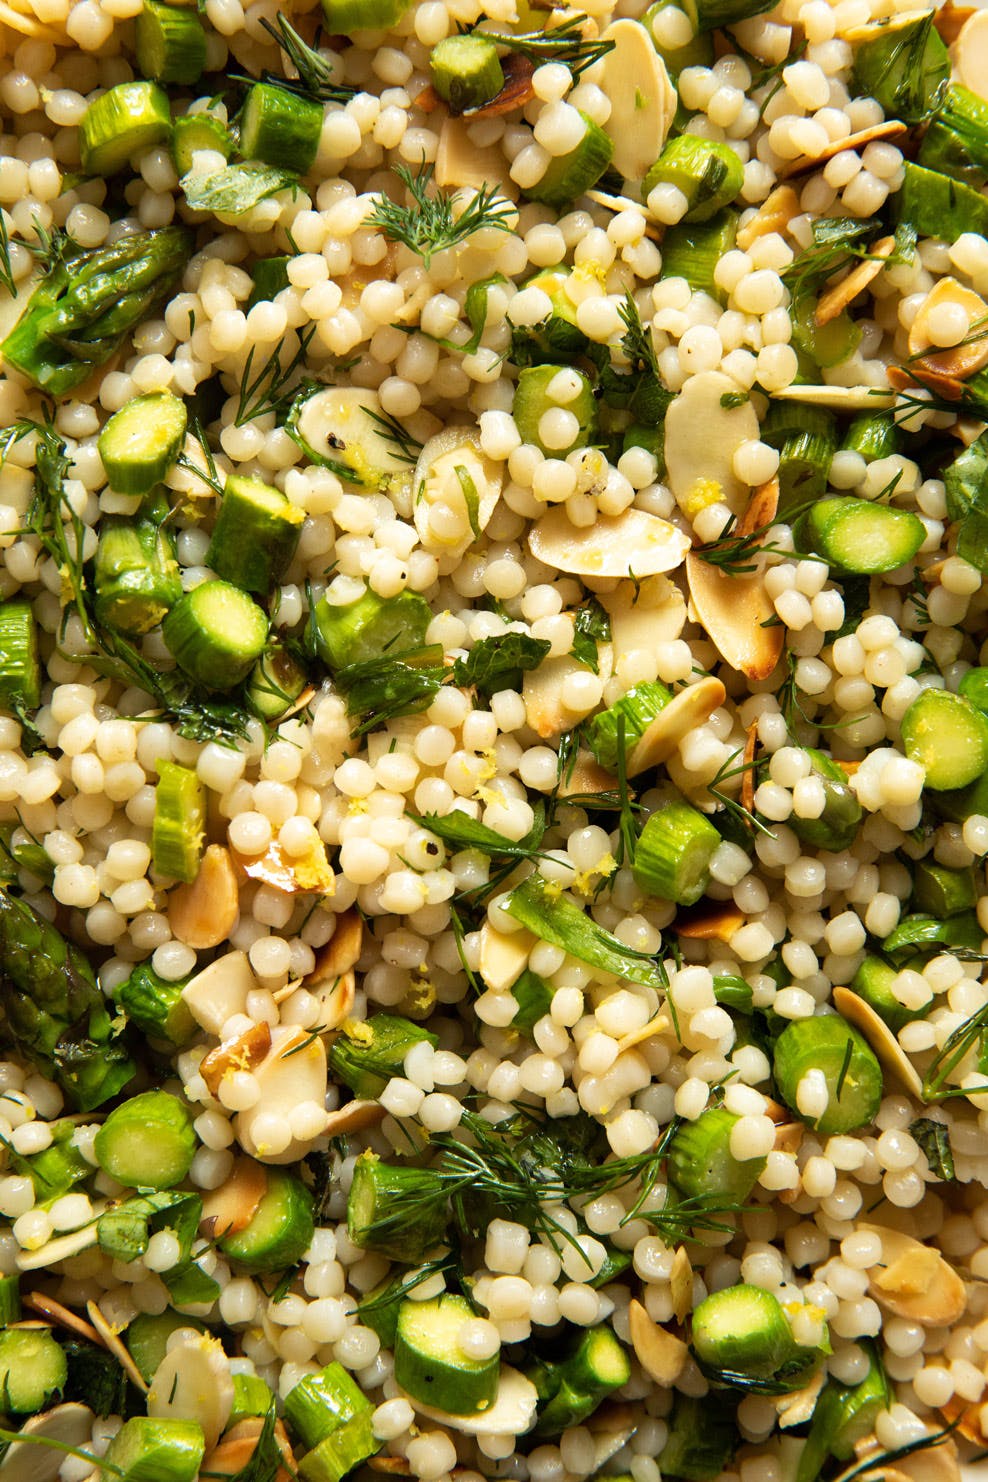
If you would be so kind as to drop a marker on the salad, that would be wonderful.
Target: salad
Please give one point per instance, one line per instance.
(493, 740)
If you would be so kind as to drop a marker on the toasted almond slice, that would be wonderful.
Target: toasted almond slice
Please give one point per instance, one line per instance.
(632, 544)
(356, 1116)
(586, 775)
(747, 789)
(59, 1249)
(773, 215)
(220, 991)
(796, 1408)
(970, 53)
(841, 398)
(761, 509)
(110, 1339)
(788, 1138)
(958, 361)
(617, 204)
(836, 299)
(516, 92)
(392, 1466)
(546, 710)
(711, 921)
(661, 1354)
(342, 951)
(658, 1024)
(56, 1313)
(65, 1425)
(734, 611)
(949, 20)
(967, 1419)
(193, 1382)
(203, 914)
(607, 1440)
(238, 1445)
(295, 874)
(890, 129)
(939, 1463)
(461, 163)
(914, 1281)
(642, 99)
(243, 1053)
(681, 1284)
(645, 614)
(701, 439)
(918, 374)
(451, 466)
(335, 994)
(232, 1206)
(292, 1072)
(503, 956)
(684, 712)
(881, 1039)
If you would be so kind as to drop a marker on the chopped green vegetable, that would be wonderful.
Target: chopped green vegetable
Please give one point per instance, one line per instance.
(948, 736)
(148, 1142)
(829, 1048)
(555, 918)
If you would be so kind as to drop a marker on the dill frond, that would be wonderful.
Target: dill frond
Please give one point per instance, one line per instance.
(429, 225)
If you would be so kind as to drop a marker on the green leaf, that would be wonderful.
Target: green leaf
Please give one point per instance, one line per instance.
(591, 626)
(237, 188)
(470, 497)
(498, 663)
(96, 1379)
(378, 690)
(265, 1459)
(463, 832)
(934, 1139)
(125, 1230)
(557, 919)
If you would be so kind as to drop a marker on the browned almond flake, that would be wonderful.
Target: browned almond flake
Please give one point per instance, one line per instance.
(914, 1281)
(232, 1206)
(949, 20)
(890, 129)
(881, 1039)
(661, 1354)
(243, 1053)
(516, 92)
(62, 1316)
(203, 914)
(111, 1341)
(684, 712)
(957, 362)
(788, 1137)
(773, 215)
(342, 950)
(356, 1116)
(836, 299)
(586, 776)
(901, 379)
(681, 1284)
(733, 610)
(748, 762)
(712, 921)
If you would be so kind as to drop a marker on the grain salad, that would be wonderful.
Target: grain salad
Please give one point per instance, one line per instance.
(493, 740)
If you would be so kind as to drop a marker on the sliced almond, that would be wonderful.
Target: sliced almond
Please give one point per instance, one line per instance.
(238, 1445)
(681, 1284)
(841, 398)
(949, 20)
(711, 921)
(918, 374)
(914, 1281)
(642, 99)
(684, 712)
(958, 361)
(585, 776)
(966, 1418)
(356, 1116)
(970, 53)
(836, 299)
(503, 956)
(797, 1408)
(701, 438)
(890, 1053)
(232, 1206)
(342, 951)
(220, 991)
(645, 614)
(336, 997)
(243, 1053)
(661, 1354)
(773, 215)
(65, 1425)
(789, 1137)
(457, 489)
(461, 164)
(110, 1339)
(734, 612)
(62, 1316)
(761, 509)
(747, 788)
(658, 1024)
(617, 204)
(295, 874)
(193, 1382)
(939, 1463)
(543, 689)
(890, 129)
(59, 1249)
(632, 544)
(203, 914)
(292, 1072)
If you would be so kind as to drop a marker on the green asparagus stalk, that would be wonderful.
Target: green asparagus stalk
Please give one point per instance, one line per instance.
(78, 315)
(55, 1012)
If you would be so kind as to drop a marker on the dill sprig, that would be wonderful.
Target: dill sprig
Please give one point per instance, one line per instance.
(404, 445)
(637, 342)
(876, 1461)
(954, 1049)
(6, 266)
(273, 388)
(315, 74)
(429, 225)
(565, 43)
(738, 811)
(737, 555)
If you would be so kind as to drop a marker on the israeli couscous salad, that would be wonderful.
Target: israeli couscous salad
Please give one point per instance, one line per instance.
(493, 740)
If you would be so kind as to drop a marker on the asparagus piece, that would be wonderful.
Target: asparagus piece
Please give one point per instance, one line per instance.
(56, 1014)
(79, 313)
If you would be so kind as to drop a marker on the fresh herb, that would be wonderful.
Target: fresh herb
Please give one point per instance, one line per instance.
(856, 591)
(845, 1067)
(47, 1443)
(591, 625)
(737, 555)
(403, 445)
(839, 241)
(954, 1049)
(428, 225)
(564, 43)
(934, 1139)
(315, 73)
(7, 280)
(379, 690)
(628, 827)
(95, 1378)
(725, 772)
(265, 1460)
(918, 595)
(274, 386)
(464, 832)
(475, 309)
(555, 918)
(732, 399)
(236, 188)
(875, 1463)
(495, 664)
